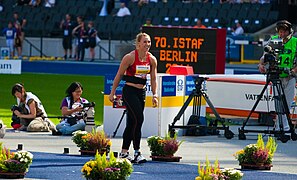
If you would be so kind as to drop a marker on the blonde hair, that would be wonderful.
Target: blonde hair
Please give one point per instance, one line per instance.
(139, 36)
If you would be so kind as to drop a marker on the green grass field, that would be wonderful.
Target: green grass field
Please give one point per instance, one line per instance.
(50, 88)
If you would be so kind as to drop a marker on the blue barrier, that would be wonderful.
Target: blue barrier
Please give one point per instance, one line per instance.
(56, 67)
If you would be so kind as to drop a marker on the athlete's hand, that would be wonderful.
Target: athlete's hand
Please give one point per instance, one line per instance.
(155, 102)
(262, 68)
(111, 97)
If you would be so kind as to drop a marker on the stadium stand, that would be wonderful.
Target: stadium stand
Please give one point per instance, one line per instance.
(45, 21)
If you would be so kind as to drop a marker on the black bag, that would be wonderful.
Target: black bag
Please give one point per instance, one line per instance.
(72, 120)
(17, 42)
(200, 130)
(86, 43)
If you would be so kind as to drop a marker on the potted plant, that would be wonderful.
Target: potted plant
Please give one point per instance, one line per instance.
(163, 149)
(257, 156)
(209, 172)
(90, 142)
(14, 164)
(107, 169)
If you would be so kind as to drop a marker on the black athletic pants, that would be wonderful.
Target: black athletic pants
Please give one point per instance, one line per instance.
(134, 100)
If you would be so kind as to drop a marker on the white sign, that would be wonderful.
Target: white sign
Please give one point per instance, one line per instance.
(10, 66)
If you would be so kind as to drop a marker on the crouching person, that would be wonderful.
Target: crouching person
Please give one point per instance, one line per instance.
(30, 111)
(73, 110)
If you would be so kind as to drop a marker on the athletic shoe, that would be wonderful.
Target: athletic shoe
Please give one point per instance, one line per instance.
(126, 156)
(138, 158)
(56, 133)
(23, 128)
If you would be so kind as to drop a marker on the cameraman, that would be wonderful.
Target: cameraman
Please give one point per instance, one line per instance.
(30, 111)
(72, 108)
(287, 62)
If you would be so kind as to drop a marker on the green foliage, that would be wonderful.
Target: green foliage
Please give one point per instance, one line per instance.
(80, 139)
(260, 142)
(166, 146)
(96, 140)
(209, 172)
(271, 146)
(14, 162)
(50, 88)
(257, 153)
(102, 168)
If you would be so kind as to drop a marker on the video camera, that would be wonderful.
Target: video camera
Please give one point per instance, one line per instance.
(15, 107)
(118, 102)
(198, 81)
(15, 119)
(91, 104)
(272, 50)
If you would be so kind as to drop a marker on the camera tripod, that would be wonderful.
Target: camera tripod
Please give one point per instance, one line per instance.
(116, 130)
(197, 95)
(281, 108)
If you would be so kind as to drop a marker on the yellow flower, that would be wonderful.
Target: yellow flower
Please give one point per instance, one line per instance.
(198, 178)
(109, 143)
(93, 163)
(238, 153)
(87, 168)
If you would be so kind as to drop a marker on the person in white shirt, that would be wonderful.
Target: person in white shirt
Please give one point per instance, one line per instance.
(238, 31)
(50, 3)
(123, 11)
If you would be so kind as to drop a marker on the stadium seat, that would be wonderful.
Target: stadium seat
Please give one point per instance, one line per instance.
(182, 13)
(144, 11)
(155, 11)
(163, 12)
(188, 6)
(159, 4)
(272, 16)
(196, 5)
(263, 14)
(193, 13)
(207, 6)
(186, 21)
(252, 14)
(117, 20)
(169, 4)
(172, 12)
(256, 25)
(156, 20)
(207, 22)
(213, 13)
(203, 13)
(135, 11)
(166, 21)
(176, 21)
(226, 6)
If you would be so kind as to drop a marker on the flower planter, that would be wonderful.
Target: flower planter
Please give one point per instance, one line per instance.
(90, 152)
(166, 158)
(256, 166)
(12, 175)
(87, 152)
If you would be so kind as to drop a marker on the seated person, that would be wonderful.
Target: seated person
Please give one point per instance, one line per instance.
(30, 111)
(72, 108)
(123, 11)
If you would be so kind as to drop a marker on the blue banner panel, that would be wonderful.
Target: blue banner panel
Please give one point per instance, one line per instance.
(190, 85)
(168, 86)
(108, 82)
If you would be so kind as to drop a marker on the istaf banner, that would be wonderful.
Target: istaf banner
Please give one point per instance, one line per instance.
(203, 49)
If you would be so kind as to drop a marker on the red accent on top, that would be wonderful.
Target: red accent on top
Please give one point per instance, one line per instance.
(132, 69)
(181, 70)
